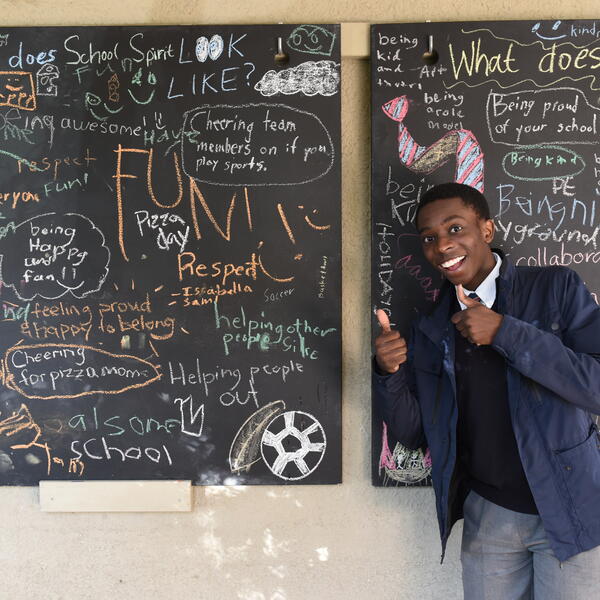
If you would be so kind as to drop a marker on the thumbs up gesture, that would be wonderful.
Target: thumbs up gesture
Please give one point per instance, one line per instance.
(477, 323)
(390, 346)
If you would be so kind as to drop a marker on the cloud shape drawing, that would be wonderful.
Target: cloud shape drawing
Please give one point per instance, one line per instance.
(310, 78)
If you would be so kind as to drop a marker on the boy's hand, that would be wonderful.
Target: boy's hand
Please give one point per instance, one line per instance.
(390, 346)
(477, 323)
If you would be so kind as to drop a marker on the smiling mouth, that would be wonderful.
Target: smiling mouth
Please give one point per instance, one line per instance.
(453, 264)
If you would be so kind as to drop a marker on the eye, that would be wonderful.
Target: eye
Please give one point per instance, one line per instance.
(427, 239)
(455, 228)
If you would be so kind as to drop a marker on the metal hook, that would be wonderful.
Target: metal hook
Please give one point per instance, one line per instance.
(431, 56)
(281, 56)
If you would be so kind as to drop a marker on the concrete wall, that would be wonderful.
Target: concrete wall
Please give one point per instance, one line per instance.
(350, 541)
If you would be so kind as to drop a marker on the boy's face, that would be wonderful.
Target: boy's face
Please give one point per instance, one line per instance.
(455, 240)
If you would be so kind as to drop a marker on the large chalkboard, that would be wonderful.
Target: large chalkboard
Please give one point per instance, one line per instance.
(170, 254)
(511, 108)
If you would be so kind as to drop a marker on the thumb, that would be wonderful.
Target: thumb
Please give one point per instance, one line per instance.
(468, 302)
(383, 319)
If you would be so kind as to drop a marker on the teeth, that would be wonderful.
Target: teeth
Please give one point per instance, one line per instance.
(452, 262)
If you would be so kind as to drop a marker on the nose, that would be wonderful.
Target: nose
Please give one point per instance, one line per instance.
(444, 244)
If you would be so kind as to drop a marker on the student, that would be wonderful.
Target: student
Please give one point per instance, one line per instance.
(501, 386)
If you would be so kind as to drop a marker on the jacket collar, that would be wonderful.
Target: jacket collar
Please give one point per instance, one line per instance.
(436, 324)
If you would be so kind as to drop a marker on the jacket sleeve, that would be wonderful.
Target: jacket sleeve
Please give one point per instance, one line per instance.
(569, 367)
(395, 396)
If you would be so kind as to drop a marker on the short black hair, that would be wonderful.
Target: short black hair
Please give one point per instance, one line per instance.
(469, 195)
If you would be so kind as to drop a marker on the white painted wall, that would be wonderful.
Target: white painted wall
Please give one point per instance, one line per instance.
(350, 541)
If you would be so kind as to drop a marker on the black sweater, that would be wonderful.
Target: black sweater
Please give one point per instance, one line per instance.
(487, 448)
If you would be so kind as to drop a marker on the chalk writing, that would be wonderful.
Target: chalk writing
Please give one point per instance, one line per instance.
(509, 108)
(169, 252)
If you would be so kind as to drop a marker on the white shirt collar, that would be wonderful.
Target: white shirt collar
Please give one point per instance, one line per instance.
(487, 288)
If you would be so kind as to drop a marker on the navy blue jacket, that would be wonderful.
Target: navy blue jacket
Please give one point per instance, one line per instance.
(550, 339)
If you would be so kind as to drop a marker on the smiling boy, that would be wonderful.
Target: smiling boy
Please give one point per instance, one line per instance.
(500, 381)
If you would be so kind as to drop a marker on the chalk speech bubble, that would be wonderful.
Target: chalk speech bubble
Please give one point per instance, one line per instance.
(542, 163)
(255, 145)
(52, 254)
(542, 116)
(51, 371)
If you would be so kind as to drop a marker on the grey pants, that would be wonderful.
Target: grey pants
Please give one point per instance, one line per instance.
(505, 556)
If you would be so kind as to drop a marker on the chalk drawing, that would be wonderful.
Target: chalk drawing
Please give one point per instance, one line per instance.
(46, 80)
(206, 48)
(312, 39)
(293, 451)
(403, 465)
(460, 143)
(309, 78)
(536, 29)
(113, 88)
(192, 423)
(17, 90)
(245, 448)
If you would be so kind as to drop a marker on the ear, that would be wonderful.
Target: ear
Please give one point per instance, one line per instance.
(488, 229)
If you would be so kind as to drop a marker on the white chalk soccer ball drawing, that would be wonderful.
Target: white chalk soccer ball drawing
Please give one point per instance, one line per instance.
(293, 445)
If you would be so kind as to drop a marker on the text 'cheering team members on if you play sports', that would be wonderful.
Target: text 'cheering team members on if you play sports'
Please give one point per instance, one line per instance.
(500, 381)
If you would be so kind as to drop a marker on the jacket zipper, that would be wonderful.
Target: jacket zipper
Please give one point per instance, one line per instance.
(438, 393)
(434, 418)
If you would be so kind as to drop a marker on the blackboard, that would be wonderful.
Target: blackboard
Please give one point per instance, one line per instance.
(170, 254)
(511, 108)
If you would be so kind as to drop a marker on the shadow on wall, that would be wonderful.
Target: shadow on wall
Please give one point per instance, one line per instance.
(251, 557)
